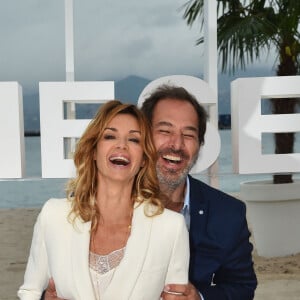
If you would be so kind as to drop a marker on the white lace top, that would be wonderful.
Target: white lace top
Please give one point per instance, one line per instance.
(102, 269)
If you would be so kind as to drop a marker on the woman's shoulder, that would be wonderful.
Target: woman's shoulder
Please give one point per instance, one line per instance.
(170, 217)
(171, 223)
(56, 207)
(57, 203)
(150, 210)
(170, 214)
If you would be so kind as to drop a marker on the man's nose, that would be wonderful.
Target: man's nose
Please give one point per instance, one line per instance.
(176, 141)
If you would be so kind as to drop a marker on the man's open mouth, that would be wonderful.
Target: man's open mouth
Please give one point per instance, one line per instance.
(172, 159)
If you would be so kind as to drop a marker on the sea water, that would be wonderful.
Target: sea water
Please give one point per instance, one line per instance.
(33, 191)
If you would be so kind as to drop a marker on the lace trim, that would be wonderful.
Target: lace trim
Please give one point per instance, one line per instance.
(104, 263)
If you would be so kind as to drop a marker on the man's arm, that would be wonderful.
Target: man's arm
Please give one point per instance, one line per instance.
(235, 279)
(178, 291)
(50, 292)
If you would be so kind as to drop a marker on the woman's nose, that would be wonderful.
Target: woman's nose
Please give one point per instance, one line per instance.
(122, 143)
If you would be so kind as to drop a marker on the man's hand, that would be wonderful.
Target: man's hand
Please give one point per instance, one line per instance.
(180, 292)
(50, 293)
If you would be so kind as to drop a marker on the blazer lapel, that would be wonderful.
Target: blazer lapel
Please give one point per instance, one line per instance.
(129, 269)
(199, 212)
(202, 222)
(80, 260)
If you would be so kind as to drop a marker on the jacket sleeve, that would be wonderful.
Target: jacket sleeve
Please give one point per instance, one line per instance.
(179, 261)
(36, 275)
(235, 279)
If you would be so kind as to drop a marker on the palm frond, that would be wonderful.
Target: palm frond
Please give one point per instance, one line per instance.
(240, 39)
(193, 10)
(247, 28)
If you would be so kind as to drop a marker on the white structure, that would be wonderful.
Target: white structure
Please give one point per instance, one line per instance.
(54, 128)
(12, 155)
(248, 124)
(69, 41)
(211, 71)
(273, 209)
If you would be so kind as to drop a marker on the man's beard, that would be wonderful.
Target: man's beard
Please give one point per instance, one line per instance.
(172, 179)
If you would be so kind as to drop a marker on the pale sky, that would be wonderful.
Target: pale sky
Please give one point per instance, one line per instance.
(112, 39)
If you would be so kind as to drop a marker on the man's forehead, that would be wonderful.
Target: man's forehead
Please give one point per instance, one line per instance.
(170, 110)
(175, 124)
(173, 103)
(171, 125)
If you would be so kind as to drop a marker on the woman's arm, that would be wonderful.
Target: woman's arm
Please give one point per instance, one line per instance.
(179, 262)
(36, 275)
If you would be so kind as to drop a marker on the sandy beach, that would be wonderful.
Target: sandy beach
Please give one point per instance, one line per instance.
(279, 278)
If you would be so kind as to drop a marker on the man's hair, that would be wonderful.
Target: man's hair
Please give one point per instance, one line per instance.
(179, 93)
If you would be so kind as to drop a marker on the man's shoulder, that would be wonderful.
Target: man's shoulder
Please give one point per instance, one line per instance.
(201, 191)
(224, 213)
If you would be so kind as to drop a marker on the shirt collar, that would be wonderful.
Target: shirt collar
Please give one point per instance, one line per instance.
(186, 203)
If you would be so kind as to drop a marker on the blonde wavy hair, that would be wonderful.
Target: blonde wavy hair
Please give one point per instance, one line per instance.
(81, 190)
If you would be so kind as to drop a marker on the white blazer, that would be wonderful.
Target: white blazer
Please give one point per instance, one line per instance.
(157, 253)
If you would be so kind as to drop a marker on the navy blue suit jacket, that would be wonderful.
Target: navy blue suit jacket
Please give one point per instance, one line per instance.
(219, 244)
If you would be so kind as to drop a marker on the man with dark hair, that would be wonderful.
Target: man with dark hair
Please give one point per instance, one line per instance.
(221, 264)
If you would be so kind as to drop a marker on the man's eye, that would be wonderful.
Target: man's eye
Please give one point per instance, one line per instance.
(164, 131)
(189, 136)
(108, 137)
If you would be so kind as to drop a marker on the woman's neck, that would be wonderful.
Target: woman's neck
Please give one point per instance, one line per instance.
(114, 202)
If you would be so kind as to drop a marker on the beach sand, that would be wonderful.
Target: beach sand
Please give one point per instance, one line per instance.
(279, 278)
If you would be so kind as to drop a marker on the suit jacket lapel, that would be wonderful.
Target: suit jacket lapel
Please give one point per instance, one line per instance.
(199, 211)
(129, 269)
(80, 260)
(202, 222)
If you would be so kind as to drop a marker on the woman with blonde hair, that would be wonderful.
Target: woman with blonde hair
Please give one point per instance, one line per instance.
(111, 238)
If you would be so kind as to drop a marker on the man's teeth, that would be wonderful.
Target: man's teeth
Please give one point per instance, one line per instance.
(172, 158)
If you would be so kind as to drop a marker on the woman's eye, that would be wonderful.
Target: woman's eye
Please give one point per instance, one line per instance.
(108, 137)
(134, 140)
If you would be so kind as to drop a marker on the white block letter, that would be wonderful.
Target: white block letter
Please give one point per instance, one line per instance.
(53, 126)
(12, 160)
(248, 124)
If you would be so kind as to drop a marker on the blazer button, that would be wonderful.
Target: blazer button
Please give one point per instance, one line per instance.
(201, 212)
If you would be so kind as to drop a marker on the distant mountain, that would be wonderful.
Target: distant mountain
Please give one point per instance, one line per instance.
(129, 89)
(224, 81)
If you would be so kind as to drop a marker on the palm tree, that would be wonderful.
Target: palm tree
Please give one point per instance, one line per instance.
(246, 29)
